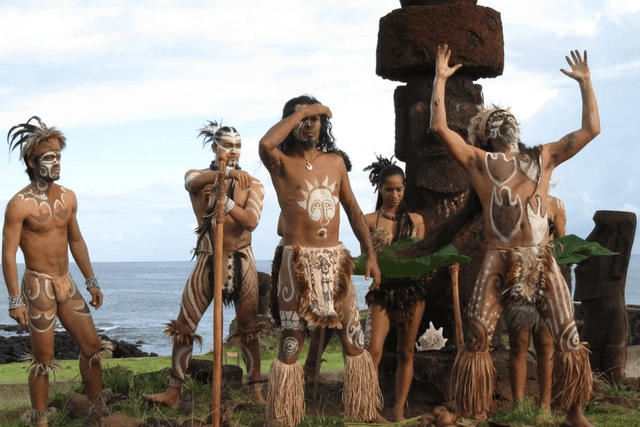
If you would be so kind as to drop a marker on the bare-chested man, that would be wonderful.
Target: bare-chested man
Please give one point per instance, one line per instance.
(41, 220)
(512, 183)
(314, 283)
(243, 206)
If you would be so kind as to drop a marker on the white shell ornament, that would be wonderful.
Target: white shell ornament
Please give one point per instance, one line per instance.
(432, 339)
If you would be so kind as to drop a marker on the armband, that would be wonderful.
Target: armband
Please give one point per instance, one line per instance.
(16, 302)
(230, 204)
(92, 282)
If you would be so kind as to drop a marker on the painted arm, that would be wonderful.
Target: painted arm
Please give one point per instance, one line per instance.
(249, 215)
(570, 144)
(359, 227)
(10, 242)
(268, 147)
(195, 179)
(80, 254)
(462, 152)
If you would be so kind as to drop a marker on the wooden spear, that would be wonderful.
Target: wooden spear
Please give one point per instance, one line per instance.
(218, 277)
(457, 316)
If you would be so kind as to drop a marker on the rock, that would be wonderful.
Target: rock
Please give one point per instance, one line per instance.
(155, 422)
(408, 37)
(118, 420)
(77, 405)
(200, 370)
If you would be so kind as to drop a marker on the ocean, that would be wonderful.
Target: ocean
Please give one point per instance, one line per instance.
(140, 297)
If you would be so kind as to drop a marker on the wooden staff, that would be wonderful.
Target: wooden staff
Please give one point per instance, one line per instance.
(457, 316)
(218, 277)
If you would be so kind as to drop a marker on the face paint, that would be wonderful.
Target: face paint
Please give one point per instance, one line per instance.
(49, 166)
(307, 130)
(231, 144)
(502, 128)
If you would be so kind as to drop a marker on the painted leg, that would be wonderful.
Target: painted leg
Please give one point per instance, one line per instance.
(472, 376)
(285, 397)
(361, 395)
(196, 298)
(518, 345)
(406, 350)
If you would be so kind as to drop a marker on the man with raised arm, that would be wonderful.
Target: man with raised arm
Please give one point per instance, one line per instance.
(41, 220)
(512, 183)
(243, 207)
(314, 283)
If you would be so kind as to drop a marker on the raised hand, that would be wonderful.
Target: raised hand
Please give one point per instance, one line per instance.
(579, 66)
(312, 110)
(442, 62)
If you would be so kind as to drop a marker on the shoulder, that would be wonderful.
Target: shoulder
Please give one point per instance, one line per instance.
(416, 218)
(193, 172)
(370, 218)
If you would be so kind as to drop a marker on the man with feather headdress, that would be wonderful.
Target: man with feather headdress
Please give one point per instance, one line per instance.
(41, 220)
(243, 207)
(510, 187)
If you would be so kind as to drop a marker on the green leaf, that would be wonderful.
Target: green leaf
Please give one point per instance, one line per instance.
(572, 249)
(393, 265)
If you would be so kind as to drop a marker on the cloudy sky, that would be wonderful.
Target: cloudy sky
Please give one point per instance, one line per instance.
(130, 82)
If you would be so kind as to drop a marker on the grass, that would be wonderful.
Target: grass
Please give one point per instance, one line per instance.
(134, 377)
(332, 360)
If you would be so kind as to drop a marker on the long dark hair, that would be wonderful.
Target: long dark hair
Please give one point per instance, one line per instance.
(326, 142)
(379, 171)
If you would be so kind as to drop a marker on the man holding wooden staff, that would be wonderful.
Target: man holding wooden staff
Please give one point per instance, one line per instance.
(243, 207)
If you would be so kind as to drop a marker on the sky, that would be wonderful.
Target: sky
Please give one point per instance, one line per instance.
(131, 82)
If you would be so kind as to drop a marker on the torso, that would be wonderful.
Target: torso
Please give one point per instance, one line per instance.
(44, 235)
(513, 191)
(310, 199)
(235, 235)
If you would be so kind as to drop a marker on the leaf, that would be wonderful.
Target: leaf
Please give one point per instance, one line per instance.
(393, 265)
(572, 249)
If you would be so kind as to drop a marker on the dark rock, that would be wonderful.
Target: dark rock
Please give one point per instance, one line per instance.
(201, 370)
(600, 286)
(407, 3)
(408, 38)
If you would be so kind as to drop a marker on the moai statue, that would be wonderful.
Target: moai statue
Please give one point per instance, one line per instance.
(600, 286)
(436, 185)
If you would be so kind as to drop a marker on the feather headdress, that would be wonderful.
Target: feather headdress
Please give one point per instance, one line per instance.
(34, 139)
(477, 128)
(376, 168)
(212, 132)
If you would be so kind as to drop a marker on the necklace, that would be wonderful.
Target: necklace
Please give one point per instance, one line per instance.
(309, 166)
(387, 215)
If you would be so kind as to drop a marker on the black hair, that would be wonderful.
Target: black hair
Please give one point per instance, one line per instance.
(379, 171)
(326, 142)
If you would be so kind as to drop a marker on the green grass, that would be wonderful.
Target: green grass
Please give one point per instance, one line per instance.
(332, 360)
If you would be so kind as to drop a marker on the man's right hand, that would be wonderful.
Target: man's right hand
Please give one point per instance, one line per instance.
(312, 110)
(243, 178)
(20, 315)
(442, 62)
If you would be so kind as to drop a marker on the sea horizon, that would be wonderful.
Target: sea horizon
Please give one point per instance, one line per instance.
(140, 297)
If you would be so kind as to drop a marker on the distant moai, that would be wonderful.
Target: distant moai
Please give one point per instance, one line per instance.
(436, 185)
(600, 286)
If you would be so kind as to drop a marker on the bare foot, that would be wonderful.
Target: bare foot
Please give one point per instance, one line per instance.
(309, 375)
(397, 415)
(169, 398)
(475, 415)
(256, 393)
(575, 418)
(379, 419)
